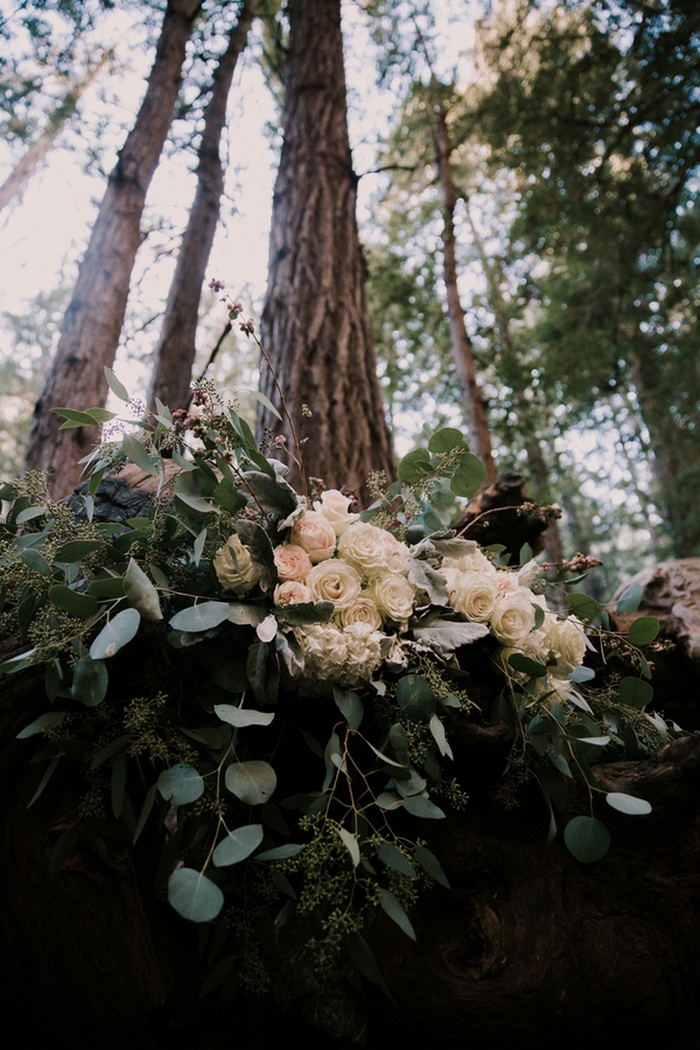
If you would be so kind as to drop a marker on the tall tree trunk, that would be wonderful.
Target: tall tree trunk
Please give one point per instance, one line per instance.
(93, 321)
(462, 348)
(315, 325)
(15, 183)
(175, 352)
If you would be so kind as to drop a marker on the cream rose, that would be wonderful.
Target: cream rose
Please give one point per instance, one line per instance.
(291, 592)
(291, 562)
(362, 610)
(513, 618)
(475, 595)
(566, 643)
(473, 560)
(394, 596)
(334, 506)
(334, 581)
(369, 549)
(315, 535)
(235, 568)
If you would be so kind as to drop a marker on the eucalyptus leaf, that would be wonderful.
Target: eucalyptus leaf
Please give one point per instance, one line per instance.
(643, 630)
(290, 849)
(587, 839)
(414, 466)
(584, 606)
(635, 692)
(200, 617)
(350, 706)
(252, 782)
(117, 388)
(445, 439)
(238, 845)
(431, 865)
(392, 856)
(630, 804)
(90, 681)
(351, 844)
(629, 600)
(76, 550)
(47, 721)
(70, 601)
(243, 716)
(115, 634)
(420, 806)
(134, 450)
(194, 896)
(415, 698)
(180, 784)
(395, 911)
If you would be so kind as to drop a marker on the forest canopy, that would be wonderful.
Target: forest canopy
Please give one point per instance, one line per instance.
(566, 136)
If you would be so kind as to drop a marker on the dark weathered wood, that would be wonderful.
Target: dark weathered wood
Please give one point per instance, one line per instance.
(491, 516)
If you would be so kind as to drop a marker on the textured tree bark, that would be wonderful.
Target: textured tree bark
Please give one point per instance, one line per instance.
(93, 321)
(462, 349)
(315, 325)
(15, 183)
(175, 352)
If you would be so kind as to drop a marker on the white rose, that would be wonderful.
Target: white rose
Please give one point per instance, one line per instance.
(334, 506)
(334, 581)
(473, 560)
(315, 535)
(368, 548)
(291, 592)
(235, 568)
(394, 596)
(361, 610)
(513, 618)
(475, 595)
(292, 562)
(566, 643)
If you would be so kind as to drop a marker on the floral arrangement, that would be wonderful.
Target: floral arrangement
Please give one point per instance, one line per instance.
(252, 619)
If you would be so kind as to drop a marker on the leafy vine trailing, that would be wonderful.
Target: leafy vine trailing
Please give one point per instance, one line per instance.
(270, 683)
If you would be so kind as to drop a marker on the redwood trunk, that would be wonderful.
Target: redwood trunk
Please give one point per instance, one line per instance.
(462, 348)
(315, 325)
(93, 321)
(175, 353)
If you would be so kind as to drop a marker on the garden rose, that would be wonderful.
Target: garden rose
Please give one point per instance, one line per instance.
(370, 550)
(334, 581)
(473, 560)
(566, 643)
(315, 535)
(394, 596)
(474, 594)
(292, 562)
(334, 506)
(513, 617)
(362, 610)
(234, 566)
(291, 592)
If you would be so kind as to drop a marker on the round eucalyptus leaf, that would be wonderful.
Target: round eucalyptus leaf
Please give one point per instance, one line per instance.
(115, 634)
(414, 466)
(252, 782)
(194, 896)
(420, 806)
(630, 804)
(635, 692)
(584, 606)
(90, 681)
(587, 839)
(643, 630)
(446, 439)
(238, 845)
(180, 784)
(415, 698)
(469, 476)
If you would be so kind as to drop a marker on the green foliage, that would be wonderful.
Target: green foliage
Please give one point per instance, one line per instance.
(177, 677)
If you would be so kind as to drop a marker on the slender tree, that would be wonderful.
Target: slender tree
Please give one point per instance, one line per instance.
(93, 321)
(175, 351)
(315, 326)
(29, 163)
